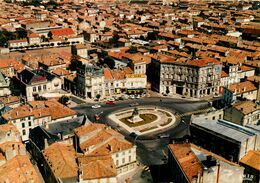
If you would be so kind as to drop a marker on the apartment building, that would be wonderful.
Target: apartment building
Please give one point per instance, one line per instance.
(90, 80)
(242, 90)
(98, 154)
(37, 113)
(99, 140)
(38, 82)
(192, 78)
(243, 113)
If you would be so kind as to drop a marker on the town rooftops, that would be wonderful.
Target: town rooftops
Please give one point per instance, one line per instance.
(188, 161)
(62, 32)
(94, 167)
(246, 107)
(242, 87)
(225, 128)
(39, 109)
(9, 127)
(203, 62)
(19, 169)
(252, 159)
(61, 159)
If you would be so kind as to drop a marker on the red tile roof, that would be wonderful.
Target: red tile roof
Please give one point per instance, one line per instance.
(62, 32)
(188, 161)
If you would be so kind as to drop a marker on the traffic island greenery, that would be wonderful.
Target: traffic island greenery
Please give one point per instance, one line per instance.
(147, 118)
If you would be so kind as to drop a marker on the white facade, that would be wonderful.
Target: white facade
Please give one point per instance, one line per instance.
(125, 160)
(42, 87)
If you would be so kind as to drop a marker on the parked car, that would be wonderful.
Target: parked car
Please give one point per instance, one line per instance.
(137, 96)
(132, 97)
(110, 102)
(133, 104)
(95, 106)
(164, 136)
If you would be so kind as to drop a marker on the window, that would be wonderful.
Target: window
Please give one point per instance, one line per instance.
(117, 162)
(44, 87)
(39, 88)
(29, 117)
(123, 160)
(23, 125)
(129, 151)
(116, 155)
(129, 159)
(34, 89)
(30, 123)
(123, 153)
(24, 132)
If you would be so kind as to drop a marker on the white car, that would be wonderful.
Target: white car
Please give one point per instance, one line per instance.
(95, 106)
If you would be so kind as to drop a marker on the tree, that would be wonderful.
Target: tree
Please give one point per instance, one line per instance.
(110, 62)
(21, 33)
(64, 100)
(98, 96)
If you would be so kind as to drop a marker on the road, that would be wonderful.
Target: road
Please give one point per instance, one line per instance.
(150, 149)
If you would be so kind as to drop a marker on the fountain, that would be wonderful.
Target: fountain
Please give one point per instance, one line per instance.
(135, 118)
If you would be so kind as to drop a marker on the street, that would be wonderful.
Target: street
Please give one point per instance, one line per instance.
(149, 147)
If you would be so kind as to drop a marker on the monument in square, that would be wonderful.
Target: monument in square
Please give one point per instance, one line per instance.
(135, 117)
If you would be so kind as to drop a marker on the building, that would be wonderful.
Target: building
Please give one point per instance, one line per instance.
(243, 113)
(34, 39)
(4, 86)
(189, 163)
(90, 80)
(99, 140)
(242, 90)
(193, 78)
(38, 82)
(19, 43)
(252, 168)
(95, 154)
(15, 164)
(37, 113)
(224, 138)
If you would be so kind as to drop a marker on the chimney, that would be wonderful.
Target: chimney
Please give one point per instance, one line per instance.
(80, 174)
(110, 148)
(17, 113)
(46, 125)
(45, 143)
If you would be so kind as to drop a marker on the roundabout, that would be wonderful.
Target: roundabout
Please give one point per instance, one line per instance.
(143, 120)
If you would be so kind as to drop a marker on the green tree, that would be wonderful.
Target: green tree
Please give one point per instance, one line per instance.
(98, 96)
(64, 100)
(110, 62)
(20, 33)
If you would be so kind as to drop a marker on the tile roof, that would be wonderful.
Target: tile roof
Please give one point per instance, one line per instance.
(19, 170)
(96, 167)
(203, 62)
(61, 159)
(188, 161)
(39, 109)
(8, 128)
(246, 107)
(242, 87)
(62, 32)
(107, 74)
(9, 100)
(252, 159)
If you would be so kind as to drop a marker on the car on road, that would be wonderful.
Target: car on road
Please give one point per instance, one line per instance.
(110, 102)
(95, 106)
(134, 104)
(164, 136)
(132, 97)
(112, 99)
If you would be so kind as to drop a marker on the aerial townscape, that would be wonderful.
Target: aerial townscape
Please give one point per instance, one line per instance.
(129, 91)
